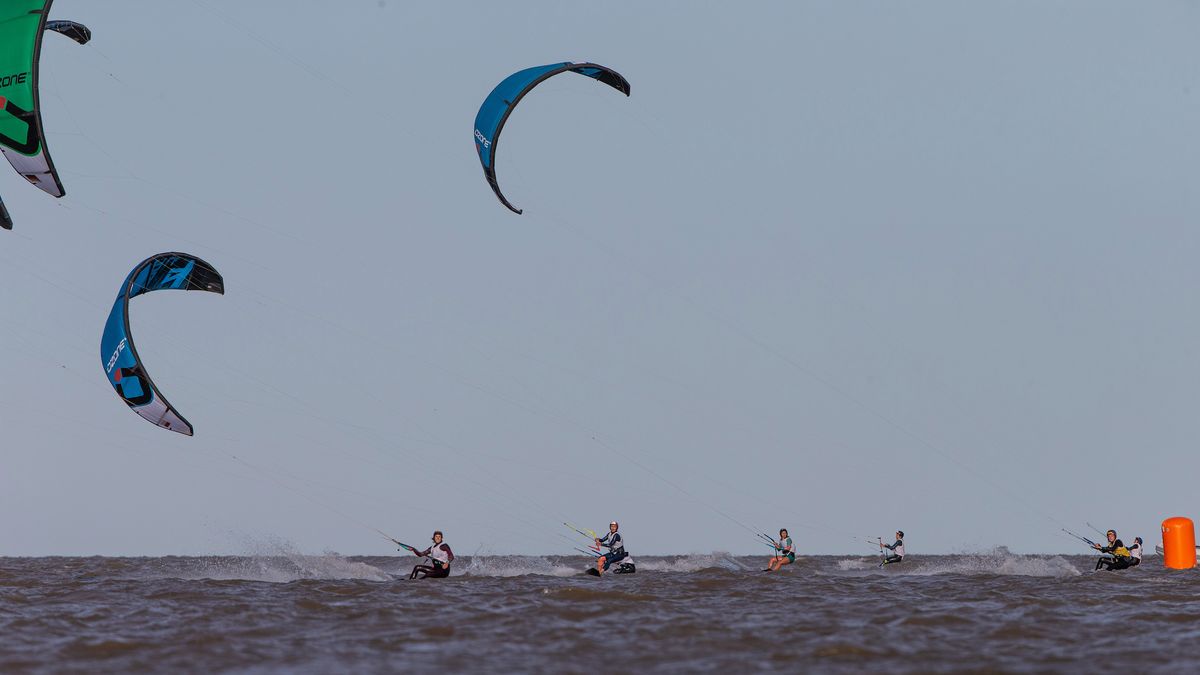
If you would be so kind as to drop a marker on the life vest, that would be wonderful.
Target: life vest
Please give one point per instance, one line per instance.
(899, 550)
(614, 542)
(439, 555)
(1136, 551)
(1121, 552)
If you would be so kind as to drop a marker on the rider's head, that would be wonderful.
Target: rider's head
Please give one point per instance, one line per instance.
(899, 534)
(783, 532)
(1112, 535)
(1137, 539)
(612, 527)
(437, 537)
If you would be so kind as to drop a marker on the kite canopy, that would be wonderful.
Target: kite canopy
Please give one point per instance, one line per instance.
(72, 29)
(22, 141)
(499, 104)
(165, 271)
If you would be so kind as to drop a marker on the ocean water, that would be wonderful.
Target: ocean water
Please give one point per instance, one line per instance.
(332, 614)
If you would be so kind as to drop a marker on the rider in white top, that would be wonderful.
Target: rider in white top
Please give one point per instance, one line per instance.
(1135, 552)
(616, 548)
(785, 552)
(439, 554)
(897, 550)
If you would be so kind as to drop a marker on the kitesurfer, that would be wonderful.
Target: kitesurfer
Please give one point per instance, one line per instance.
(785, 552)
(616, 548)
(897, 550)
(439, 555)
(1135, 552)
(1120, 556)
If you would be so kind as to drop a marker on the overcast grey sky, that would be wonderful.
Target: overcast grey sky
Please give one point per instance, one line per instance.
(838, 267)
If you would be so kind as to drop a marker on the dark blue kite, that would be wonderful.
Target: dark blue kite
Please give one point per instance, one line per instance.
(500, 103)
(122, 366)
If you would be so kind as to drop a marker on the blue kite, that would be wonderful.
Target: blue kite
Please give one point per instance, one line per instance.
(125, 372)
(500, 103)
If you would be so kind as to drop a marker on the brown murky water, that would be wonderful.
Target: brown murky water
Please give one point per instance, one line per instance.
(322, 614)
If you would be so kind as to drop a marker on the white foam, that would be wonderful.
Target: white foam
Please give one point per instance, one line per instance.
(518, 565)
(998, 561)
(280, 569)
(277, 561)
(691, 563)
(1003, 562)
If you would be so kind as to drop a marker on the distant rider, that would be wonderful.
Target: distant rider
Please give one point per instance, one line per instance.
(439, 555)
(1135, 552)
(785, 552)
(897, 550)
(616, 548)
(1120, 555)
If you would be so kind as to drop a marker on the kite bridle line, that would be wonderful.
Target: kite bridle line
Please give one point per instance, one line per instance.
(1082, 538)
(590, 535)
(562, 223)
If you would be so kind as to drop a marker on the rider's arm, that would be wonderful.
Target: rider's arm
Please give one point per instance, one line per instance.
(449, 553)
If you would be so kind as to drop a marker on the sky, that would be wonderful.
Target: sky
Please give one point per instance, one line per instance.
(837, 267)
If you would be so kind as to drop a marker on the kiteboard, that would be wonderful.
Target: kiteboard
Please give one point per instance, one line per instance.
(625, 566)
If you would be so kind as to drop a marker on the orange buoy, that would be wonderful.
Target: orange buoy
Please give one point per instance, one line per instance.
(1179, 543)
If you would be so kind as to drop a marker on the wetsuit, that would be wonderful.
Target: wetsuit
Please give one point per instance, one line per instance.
(1120, 557)
(616, 549)
(897, 550)
(787, 549)
(441, 556)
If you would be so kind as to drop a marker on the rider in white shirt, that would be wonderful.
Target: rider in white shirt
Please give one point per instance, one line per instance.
(897, 550)
(439, 554)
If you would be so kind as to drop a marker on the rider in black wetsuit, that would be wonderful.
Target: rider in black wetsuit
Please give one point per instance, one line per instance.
(1120, 555)
(897, 550)
(439, 554)
(616, 548)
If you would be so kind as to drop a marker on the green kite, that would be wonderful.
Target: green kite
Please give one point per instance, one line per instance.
(22, 23)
